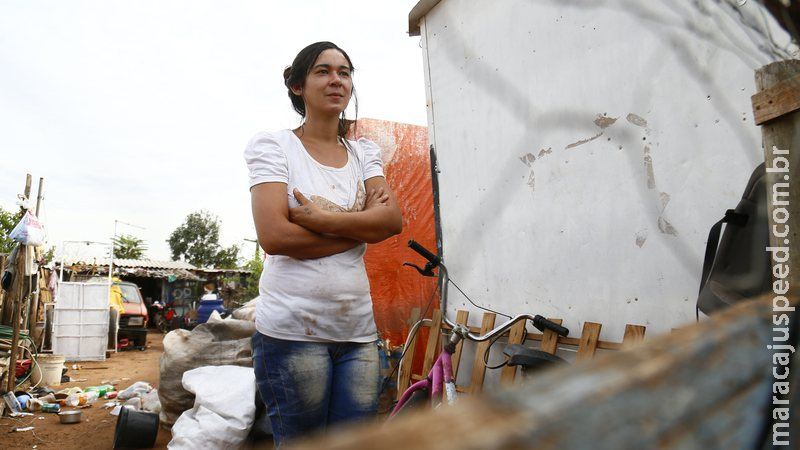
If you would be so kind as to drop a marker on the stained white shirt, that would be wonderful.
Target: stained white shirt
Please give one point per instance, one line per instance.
(322, 299)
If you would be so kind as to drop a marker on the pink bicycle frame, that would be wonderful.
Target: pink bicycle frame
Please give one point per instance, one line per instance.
(439, 378)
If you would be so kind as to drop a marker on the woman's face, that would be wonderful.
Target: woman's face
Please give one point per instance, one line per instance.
(328, 86)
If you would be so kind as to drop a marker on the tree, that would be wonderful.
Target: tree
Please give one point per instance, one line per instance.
(128, 247)
(197, 242)
(255, 266)
(8, 220)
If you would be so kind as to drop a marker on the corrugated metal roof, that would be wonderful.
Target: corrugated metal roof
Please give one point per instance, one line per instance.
(136, 263)
(150, 264)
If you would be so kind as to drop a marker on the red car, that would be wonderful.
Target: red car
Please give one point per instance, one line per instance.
(132, 322)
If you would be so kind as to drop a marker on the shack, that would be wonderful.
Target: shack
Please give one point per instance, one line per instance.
(584, 149)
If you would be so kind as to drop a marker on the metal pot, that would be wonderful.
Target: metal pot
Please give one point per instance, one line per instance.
(70, 416)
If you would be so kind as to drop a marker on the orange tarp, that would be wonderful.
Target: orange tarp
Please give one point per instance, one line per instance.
(397, 289)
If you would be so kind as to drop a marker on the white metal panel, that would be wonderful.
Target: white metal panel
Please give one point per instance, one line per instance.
(586, 148)
(80, 322)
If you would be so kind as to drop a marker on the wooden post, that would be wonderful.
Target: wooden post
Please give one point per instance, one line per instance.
(2, 292)
(16, 301)
(33, 305)
(775, 108)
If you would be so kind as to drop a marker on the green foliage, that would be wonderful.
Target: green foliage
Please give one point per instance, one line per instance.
(49, 254)
(8, 220)
(128, 247)
(227, 258)
(255, 266)
(197, 242)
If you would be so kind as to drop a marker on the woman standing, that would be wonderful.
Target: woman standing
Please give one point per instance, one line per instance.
(317, 200)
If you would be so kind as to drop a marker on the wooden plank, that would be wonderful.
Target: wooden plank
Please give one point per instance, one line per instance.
(515, 335)
(404, 377)
(432, 348)
(462, 317)
(778, 100)
(781, 145)
(634, 334)
(550, 339)
(705, 389)
(479, 367)
(589, 338)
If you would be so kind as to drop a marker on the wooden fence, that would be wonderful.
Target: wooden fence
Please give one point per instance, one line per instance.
(431, 331)
(705, 386)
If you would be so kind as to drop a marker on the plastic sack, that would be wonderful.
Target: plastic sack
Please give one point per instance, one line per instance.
(223, 343)
(28, 231)
(224, 408)
(138, 389)
(151, 403)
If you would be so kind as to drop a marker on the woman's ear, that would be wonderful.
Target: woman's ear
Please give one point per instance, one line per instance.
(297, 90)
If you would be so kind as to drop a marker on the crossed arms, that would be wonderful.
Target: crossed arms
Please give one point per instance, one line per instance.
(308, 232)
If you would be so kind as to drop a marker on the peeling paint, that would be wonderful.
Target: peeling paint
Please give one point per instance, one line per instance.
(575, 144)
(532, 181)
(648, 165)
(665, 198)
(641, 238)
(547, 151)
(604, 121)
(665, 227)
(527, 159)
(636, 120)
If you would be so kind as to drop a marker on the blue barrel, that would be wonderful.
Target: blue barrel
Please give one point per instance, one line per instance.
(207, 306)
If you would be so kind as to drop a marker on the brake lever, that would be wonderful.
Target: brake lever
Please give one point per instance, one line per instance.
(426, 272)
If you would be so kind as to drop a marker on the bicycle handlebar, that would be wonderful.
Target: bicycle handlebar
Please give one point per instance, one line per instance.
(435, 261)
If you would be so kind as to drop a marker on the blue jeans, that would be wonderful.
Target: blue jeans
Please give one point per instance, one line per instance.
(307, 386)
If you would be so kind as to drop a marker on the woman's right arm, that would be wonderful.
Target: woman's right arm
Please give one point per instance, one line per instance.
(278, 236)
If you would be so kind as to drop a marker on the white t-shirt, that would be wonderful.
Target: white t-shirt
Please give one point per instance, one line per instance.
(322, 299)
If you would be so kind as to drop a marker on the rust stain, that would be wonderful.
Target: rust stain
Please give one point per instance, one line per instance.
(604, 121)
(581, 142)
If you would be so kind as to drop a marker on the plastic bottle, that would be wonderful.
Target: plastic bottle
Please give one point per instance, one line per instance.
(101, 390)
(83, 398)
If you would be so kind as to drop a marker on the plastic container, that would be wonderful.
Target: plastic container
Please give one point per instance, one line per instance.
(47, 370)
(23, 400)
(84, 398)
(208, 304)
(135, 429)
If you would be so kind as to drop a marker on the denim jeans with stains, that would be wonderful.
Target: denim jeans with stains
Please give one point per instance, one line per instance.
(308, 386)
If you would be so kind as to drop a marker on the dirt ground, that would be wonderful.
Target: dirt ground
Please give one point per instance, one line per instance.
(96, 430)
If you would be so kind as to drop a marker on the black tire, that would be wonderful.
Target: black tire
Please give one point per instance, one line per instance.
(161, 324)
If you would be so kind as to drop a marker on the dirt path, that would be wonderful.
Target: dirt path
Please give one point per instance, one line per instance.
(96, 431)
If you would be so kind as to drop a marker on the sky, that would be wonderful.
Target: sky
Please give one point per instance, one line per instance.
(136, 113)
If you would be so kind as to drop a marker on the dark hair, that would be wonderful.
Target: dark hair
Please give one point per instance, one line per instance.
(295, 75)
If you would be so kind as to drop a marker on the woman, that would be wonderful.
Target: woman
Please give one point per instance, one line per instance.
(317, 200)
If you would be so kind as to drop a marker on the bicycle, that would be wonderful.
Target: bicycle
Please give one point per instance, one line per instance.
(440, 380)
